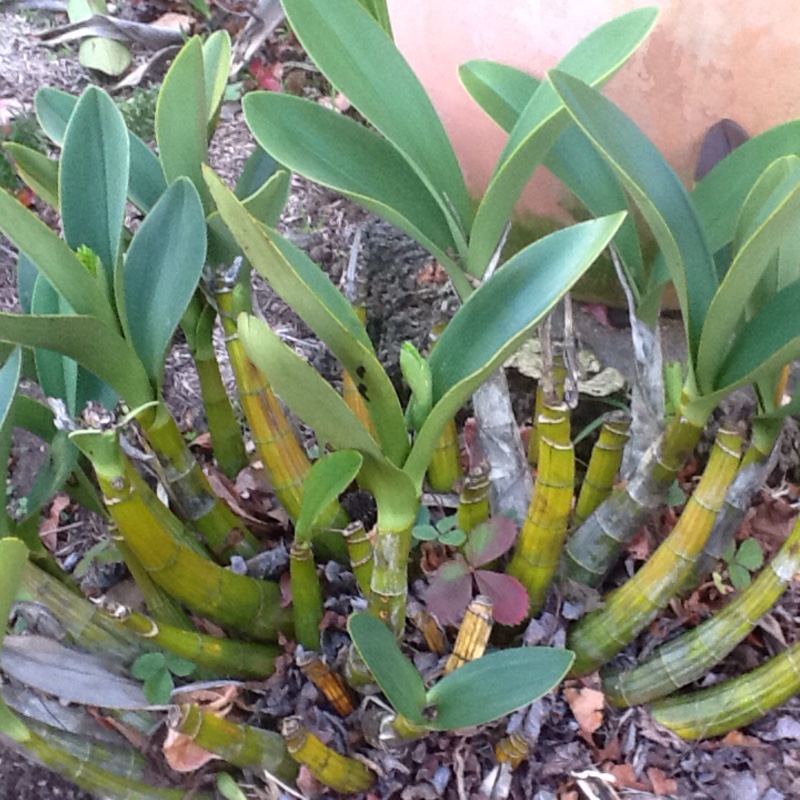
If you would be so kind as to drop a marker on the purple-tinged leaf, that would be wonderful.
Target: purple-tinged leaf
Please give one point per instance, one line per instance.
(450, 591)
(509, 596)
(490, 540)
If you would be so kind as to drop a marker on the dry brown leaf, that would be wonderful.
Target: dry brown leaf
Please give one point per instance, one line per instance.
(217, 701)
(739, 739)
(48, 529)
(626, 777)
(662, 785)
(183, 755)
(175, 22)
(587, 707)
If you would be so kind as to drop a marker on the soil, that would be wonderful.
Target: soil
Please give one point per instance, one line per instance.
(405, 297)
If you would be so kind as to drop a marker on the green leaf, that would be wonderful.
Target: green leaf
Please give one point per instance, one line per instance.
(104, 55)
(595, 59)
(13, 558)
(216, 63)
(181, 120)
(93, 178)
(266, 204)
(739, 575)
(303, 389)
(394, 673)
(94, 345)
(750, 555)
(54, 259)
(453, 538)
(53, 110)
(158, 687)
(310, 293)
(495, 320)
(356, 56)
(226, 785)
(770, 340)
(497, 684)
(675, 495)
(37, 170)
(425, 533)
(338, 152)
(327, 478)
(10, 374)
(181, 667)
(657, 191)
(719, 196)
(503, 92)
(162, 269)
(417, 375)
(769, 218)
(257, 170)
(380, 13)
(147, 181)
(147, 665)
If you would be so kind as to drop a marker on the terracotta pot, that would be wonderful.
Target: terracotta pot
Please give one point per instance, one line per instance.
(703, 62)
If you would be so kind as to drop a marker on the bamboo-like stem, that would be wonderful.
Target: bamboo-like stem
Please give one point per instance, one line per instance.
(604, 465)
(226, 435)
(554, 386)
(330, 683)
(538, 548)
(512, 749)
(734, 703)
(241, 745)
(596, 545)
(186, 484)
(83, 622)
(473, 635)
(599, 636)
(429, 627)
(152, 532)
(224, 657)
(691, 655)
(350, 392)
(93, 778)
(343, 774)
(753, 471)
(306, 595)
(473, 502)
(389, 584)
(359, 548)
(161, 605)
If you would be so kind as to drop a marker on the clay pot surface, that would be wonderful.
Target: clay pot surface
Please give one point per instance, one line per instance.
(703, 62)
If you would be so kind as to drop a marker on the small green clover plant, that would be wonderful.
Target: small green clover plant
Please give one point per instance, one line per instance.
(444, 531)
(480, 691)
(156, 671)
(455, 582)
(741, 561)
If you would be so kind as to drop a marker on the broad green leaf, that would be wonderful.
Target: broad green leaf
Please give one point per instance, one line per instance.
(26, 280)
(57, 374)
(495, 320)
(719, 196)
(267, 202)
(309, 292)
(380, 13)
(357, 57)
(338, 152)
(595, 60)
(750, 555)
(226, 785)
(53, 110)
(104, 55)
(657, 191)
(394, 673)
(147, 181)
(257, 170)
(37, 170)
(303, 389)
(53, 258)
(503, 92)
(13, 557)
(497, 684)
(181, 120)
(148, 664)
(770, 340)
(93, 344)
(163, 266)
(327, 478)
(216, 63)
(93, 177)
(61, 460)
(9, 381)
(770, 219)
(181, 667)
